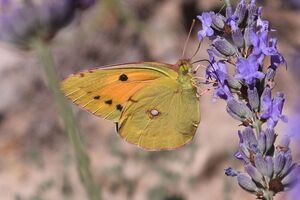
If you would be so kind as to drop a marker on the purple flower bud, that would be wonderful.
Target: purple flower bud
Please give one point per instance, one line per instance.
(230, 172)
(270, 166)
(270, 74)
(238, 110)
(254, 148)
(217, 53)
(262, 142)
(237, 35)
(229, 12)
(233, 83)
(287, 164)
(247, 38)
(253, 98)
(254, 173)
(276, 110)
(261, 164)
(243, 153)
(223, 46)
(240, 11)
(270, 138)
(246, 183)
(263, 24)
(266, 103)
(277, 60)
(252, 13)
(285, 141)
(238, 155)
(249, 136)
(244, 150)
(223, 92)
(292, 177)
(279, 162)
(240, 136)
(218, 21)
(238, 38)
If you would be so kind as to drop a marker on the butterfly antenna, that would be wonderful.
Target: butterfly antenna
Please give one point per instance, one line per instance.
(188, 37)
(222, 8)
(199, 45)
(202, 60)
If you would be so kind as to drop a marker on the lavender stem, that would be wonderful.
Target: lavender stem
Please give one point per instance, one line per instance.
(82, 159)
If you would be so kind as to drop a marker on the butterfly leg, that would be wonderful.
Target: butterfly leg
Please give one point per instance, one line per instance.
(195, 69)
(202, 92)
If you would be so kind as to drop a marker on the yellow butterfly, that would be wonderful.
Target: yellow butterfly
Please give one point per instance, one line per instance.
(155, 105)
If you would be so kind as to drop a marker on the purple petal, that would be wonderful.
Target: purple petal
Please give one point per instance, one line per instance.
(246, 183)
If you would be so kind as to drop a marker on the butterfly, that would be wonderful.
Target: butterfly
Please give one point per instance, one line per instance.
(154, 105)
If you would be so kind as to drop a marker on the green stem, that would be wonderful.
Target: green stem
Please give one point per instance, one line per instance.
(268, 195)
(82, 159)
(227, 2)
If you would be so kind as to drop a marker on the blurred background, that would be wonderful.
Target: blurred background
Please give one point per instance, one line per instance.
(36, 161)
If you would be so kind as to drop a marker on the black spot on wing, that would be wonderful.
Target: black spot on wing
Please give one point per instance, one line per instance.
(117, 126)
(109, 102)
(97, 97)
(132, 100)
(119, 107)
(123, 77)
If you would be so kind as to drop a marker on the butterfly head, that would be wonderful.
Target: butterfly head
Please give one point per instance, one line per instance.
(183, 67)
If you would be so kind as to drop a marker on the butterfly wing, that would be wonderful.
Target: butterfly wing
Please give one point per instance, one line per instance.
(162, 116)
(104, 91)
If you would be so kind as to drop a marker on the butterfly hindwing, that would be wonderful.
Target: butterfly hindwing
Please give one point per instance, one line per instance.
(161, 116)
(105, 91)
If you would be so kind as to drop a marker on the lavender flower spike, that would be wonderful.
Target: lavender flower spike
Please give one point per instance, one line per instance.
(246, 46)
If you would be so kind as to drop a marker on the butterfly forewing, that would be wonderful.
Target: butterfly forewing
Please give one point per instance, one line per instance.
(105, 91)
